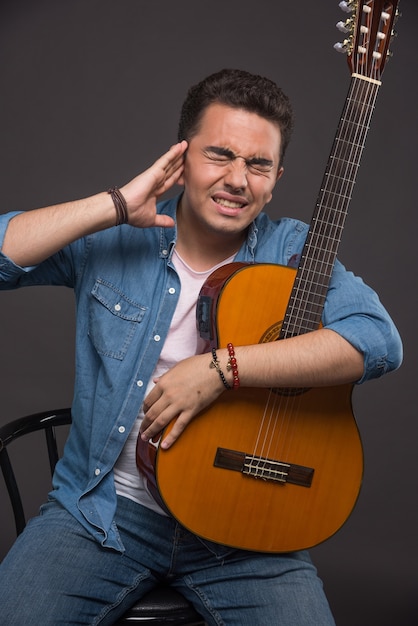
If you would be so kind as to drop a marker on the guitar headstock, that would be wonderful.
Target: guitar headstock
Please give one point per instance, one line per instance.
(369, 31)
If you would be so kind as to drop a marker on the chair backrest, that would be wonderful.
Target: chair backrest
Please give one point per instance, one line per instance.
(162, 605)
(46, 421)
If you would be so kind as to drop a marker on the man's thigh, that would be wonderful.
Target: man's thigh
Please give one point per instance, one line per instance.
(247, 589)
(56, 573)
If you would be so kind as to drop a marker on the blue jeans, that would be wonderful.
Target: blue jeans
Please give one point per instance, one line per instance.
(57, 574)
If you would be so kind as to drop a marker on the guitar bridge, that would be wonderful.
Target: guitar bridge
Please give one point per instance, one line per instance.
(264, 468)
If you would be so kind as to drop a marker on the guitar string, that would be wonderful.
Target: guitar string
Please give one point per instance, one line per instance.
(284, 415)
(328, 233)
(355, 144)
(352, 142)
(348, 153)
(350, 160)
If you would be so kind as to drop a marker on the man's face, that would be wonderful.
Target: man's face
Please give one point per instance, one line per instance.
(231, 168)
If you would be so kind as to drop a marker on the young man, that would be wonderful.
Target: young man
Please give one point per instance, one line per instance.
(102, 540)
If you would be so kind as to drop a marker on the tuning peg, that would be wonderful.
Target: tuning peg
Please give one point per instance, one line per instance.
(341, 47)
(347, 26)
(348, 6)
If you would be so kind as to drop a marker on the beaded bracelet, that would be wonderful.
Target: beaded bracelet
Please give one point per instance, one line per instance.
(120, 206)
(215, 363)
(233, 365)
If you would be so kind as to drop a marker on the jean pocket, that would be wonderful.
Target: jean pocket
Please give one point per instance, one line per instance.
(113, 319)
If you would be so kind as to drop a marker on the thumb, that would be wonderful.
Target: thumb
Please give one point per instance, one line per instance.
(164, 220)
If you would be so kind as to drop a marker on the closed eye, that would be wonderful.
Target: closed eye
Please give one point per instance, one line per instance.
(224, 156)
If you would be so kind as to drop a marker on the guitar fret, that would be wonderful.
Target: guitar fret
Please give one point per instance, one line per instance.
(343, 177)
(311, 309)
(312, 295)
(311, 272)
(333, 193)
(328, 231)
(351, 144)
(306, 289)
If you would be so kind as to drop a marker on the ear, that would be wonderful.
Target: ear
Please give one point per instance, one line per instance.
(279, 175)
(181, 178)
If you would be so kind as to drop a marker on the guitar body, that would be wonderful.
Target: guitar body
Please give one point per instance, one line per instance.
(310, 434)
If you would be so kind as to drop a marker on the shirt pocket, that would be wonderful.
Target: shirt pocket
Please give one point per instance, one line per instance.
(113, 319)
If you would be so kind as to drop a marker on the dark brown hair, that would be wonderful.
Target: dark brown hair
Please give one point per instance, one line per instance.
(241, 90)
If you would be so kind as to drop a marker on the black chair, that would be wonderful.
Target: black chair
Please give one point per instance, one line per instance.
(161, 606)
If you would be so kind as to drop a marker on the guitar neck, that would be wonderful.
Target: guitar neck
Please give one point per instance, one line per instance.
(307, 299)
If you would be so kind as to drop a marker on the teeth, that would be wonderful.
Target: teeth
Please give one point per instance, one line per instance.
(229, 204)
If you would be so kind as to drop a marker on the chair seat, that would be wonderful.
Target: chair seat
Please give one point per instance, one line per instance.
(163, 605)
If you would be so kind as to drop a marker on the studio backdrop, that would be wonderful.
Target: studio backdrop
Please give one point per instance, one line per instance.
(90, 95)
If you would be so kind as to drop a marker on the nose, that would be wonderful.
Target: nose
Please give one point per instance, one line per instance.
(236, 174)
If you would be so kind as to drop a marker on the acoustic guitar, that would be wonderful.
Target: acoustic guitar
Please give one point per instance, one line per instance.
(278, 470)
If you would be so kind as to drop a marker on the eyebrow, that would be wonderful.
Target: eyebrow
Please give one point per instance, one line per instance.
(225, 152)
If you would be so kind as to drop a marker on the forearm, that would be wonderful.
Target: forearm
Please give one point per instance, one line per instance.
(33, 236)
(319, 358)
(316, 359)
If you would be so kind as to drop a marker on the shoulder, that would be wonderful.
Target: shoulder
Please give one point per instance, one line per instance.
(283, 238)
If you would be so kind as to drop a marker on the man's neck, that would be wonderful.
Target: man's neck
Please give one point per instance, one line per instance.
(202, 250)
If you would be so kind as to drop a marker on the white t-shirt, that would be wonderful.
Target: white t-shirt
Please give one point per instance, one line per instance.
(183, 340)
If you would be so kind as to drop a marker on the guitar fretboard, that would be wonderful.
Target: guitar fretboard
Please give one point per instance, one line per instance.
(307, 299)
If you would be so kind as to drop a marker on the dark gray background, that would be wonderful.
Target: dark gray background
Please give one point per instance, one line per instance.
(90, 95)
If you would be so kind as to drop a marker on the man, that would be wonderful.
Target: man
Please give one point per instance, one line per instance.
(102, 540)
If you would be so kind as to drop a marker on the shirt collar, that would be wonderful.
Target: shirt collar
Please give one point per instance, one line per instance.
(168, 236)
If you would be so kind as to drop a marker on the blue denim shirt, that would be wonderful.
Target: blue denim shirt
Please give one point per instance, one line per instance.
(126, 291)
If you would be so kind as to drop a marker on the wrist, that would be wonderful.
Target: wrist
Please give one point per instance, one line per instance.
(226, 367)
(120, 205)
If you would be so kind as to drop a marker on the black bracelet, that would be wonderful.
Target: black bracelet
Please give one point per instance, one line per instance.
(215, 363)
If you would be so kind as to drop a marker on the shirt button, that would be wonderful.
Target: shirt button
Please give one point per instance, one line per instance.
(157, 337)
(171, 290)
(139, 383)
(117, 307)
(121, 429)
(164, 252)
(96, 471)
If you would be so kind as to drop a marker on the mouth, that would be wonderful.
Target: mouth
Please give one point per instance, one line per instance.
(227, 206)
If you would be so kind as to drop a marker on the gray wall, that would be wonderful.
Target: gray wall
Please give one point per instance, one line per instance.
(90, 94)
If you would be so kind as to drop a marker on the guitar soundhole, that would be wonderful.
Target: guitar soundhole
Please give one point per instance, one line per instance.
(272, 333)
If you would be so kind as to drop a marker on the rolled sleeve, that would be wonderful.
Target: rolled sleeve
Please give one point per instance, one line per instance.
(4, 222)
(354, 311)
(10, 273)
(58, 269)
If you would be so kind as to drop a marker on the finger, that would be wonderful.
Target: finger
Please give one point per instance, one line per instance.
(152, 426)
(170, 179)
(172, 172)
(160, 413)
(172, 158)
(157, 413)
(152, 396)
(177, 429)
(164, 220)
